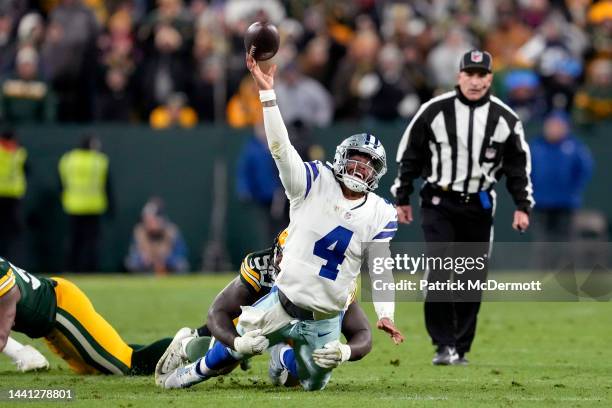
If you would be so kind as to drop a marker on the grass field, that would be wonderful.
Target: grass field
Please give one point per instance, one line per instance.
(525, 354)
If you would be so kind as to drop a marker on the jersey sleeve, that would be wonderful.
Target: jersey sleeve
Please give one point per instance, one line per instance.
(388, 227)
(313, 169)
(249, 276)
(291, 168)
(7, 280)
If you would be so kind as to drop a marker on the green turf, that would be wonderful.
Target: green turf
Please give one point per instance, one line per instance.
(535, 354)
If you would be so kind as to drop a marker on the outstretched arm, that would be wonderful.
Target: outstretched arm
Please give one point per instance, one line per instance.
(290, 165)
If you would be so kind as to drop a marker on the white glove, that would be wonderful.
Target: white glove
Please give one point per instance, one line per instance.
(30, 359)
(332, 354)
(251, 343)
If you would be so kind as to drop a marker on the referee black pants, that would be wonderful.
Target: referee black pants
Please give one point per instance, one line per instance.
(454, 226)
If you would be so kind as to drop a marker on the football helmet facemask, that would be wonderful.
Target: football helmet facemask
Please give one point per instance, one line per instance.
(346, 169)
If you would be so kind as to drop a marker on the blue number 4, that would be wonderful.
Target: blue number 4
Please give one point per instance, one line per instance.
(332, 248)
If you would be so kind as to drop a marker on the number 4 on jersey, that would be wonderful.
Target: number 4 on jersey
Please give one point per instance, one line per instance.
(332, 248)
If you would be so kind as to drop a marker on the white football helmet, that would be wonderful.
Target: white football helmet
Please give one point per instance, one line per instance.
(369, 145)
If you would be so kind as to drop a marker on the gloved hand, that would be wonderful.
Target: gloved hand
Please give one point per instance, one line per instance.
(331, 355)
(251, 343)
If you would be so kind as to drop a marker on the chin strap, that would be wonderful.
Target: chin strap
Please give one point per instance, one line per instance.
(351, 183)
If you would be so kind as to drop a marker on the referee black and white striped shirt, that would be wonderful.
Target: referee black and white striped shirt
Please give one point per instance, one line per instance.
(465, 146)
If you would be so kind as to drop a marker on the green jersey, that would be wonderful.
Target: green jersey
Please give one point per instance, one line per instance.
(257, 272)
(36, 308)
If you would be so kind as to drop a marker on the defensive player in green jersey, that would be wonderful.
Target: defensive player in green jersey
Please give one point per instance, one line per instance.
(57, 310)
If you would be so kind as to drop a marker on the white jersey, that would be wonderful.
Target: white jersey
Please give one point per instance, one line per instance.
(323, 253)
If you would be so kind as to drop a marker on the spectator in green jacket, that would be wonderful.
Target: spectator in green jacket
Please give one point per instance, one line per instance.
(25, 97)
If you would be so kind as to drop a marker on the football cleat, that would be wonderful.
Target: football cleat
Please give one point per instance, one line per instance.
(30, 359)
(461, 361)
(174, 356)
(446, 355)
(181, 377)
(276, 370)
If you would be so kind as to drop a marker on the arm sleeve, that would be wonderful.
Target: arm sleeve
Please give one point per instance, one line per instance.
(411, 158)
(249, 277)
(290, 166)
(517, 168)
(384, 300)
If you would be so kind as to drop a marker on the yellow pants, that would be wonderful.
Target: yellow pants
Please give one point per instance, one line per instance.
(87, 342)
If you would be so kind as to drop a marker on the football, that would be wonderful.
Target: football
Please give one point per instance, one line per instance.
(261, 40)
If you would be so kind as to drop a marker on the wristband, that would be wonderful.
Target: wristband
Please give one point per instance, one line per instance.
(267, 95)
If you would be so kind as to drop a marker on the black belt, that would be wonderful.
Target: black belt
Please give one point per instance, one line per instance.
(456, 196)
(297, 312)
(294, 310)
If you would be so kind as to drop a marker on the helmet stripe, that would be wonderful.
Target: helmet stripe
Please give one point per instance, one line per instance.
(371, 139)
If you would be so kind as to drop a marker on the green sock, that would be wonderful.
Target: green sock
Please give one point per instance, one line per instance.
(197, 348)
(144, 359)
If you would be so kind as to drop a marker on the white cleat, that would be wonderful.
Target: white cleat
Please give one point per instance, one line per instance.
(182, 377)
(30, 359)
(174, 356)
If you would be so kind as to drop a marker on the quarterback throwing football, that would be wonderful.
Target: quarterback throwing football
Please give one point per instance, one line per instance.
(333, 212)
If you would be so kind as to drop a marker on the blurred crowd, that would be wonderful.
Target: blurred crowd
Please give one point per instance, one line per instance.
(180, 62)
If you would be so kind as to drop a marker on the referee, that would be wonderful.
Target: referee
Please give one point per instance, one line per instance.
(461, 143)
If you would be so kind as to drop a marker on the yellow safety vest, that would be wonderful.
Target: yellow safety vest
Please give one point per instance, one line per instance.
(84, 173)
(12, 174)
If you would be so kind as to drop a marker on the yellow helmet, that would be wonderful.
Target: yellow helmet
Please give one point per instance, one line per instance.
(277, 249)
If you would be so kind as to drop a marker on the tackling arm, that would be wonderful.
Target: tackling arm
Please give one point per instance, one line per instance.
(225, 308)
(356, 329)
(8, 309)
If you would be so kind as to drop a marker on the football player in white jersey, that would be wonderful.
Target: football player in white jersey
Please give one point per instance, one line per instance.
(333, 212)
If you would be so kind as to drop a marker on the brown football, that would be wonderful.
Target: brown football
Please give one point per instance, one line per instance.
(261, 40)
